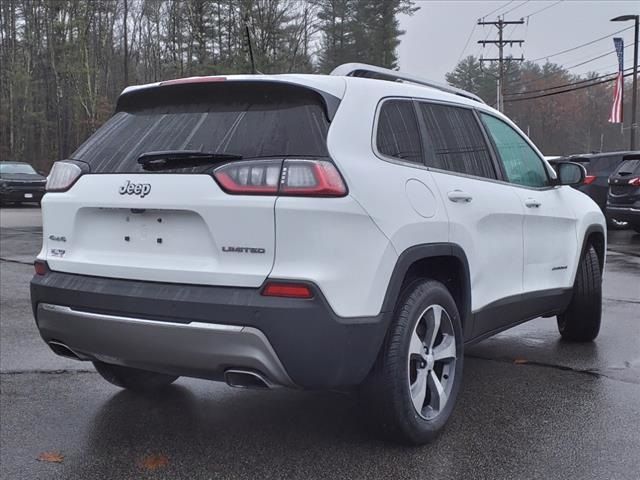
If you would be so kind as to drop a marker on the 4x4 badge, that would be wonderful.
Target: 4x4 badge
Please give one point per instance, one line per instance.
(130, 188)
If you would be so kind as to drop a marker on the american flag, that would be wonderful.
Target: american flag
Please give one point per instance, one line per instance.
(616, 109)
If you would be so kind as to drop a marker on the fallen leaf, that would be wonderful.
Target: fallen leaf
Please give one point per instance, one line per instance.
(53, 457)
(520, 361)
(154, 462)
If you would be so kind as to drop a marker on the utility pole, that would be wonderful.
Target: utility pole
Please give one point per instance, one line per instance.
(501, 42)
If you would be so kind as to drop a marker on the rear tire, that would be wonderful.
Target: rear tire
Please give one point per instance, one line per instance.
(412, 389)
(133, 378)
(580, 322)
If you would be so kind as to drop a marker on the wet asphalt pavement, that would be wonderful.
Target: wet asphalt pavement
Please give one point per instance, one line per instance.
(531, 406)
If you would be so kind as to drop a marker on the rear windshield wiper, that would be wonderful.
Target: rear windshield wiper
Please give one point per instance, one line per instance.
(169, 159)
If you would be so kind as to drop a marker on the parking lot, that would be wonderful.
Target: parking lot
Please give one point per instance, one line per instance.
(531, 406)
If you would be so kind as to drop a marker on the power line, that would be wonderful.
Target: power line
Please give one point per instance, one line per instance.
(499, 8)
(578, 82)
(468, 40)
(514, 8)
(565, 91)
(542, 9)
(569, 68)
(580, 46)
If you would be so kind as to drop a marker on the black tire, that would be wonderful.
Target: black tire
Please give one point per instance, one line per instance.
(636, 227)
(385, 396)
(580, 322)
(133, 378)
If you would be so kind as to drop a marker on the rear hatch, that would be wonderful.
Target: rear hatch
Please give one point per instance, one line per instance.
(175, 223)
(624, 183)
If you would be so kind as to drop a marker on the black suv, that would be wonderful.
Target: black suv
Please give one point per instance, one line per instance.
(623, 200)
(596, 183)
(19, 183)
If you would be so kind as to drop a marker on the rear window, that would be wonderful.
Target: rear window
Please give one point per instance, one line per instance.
(629, 167)
(604, 165)
(251, 119)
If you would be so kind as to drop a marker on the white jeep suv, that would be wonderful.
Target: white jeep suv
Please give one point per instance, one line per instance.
(357, 229)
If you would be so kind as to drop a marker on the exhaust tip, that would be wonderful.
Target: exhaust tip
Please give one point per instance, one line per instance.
(246, 379)
(61, 349)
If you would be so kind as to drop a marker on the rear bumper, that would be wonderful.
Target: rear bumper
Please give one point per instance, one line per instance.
(21, 195)
(201, 331)
(625, 214)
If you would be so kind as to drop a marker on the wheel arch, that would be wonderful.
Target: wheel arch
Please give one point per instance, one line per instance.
(445, 262)
(594, 235)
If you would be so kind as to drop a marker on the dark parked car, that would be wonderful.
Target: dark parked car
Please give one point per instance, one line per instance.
(596, 183)
(623, 201)
(19, 183)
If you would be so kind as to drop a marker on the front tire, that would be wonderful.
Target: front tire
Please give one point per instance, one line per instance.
(133, 378)
(412, 389)
(580, 322)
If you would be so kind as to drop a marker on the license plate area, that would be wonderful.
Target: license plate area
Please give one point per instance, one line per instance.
(145, 226)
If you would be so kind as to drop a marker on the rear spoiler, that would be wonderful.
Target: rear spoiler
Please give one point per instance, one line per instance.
(200, 87)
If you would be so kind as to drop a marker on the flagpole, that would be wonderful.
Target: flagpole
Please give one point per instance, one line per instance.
(634, 88)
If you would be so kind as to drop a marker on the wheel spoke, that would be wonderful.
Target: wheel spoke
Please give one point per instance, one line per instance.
(419, 389)
(445, 350)
(433, 328)
(416, 346)
(438, 395)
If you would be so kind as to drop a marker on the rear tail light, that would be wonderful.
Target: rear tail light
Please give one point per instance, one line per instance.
(40, 267)
(290, 290)
(589, 179)
(62, 176)
(635, 182)
(313, 178)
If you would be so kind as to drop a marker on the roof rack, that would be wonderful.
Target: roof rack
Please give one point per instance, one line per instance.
(379, 73)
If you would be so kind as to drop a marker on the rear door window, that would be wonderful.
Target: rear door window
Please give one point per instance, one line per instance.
(455, 140)
(398, 135)
(250, 119)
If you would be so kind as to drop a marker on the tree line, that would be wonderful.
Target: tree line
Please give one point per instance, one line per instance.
(575, 121)
(64, 62)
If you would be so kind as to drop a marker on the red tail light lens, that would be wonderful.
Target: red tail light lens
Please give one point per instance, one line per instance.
(635, 182)
(40, 267)
(589, 179)
(290, 290)
(313, 178)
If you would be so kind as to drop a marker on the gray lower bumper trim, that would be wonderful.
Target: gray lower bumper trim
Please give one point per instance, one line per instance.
(192, 349)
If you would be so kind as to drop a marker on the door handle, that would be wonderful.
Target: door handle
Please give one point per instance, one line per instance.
(459, 196)
(532, 203)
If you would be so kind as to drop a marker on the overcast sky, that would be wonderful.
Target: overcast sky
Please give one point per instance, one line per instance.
(436, 34)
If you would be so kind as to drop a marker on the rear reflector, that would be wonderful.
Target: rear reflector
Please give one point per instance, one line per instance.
(312, 178)
(41, 267)
(589, 179)
(290, 290)
(635, 182)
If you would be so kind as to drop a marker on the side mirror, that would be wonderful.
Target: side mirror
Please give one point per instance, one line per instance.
(570, 173)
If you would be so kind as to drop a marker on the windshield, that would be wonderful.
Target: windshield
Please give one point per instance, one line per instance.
(8, 168)
(242, 120)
